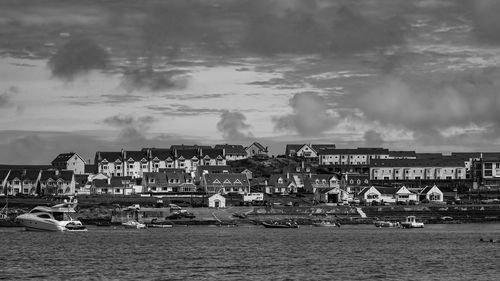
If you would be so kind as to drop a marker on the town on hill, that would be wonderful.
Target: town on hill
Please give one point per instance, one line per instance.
(234, 174)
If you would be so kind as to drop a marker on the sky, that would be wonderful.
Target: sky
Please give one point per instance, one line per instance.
(105, 75)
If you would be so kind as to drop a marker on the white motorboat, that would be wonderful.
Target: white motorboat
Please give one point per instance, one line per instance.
(380, 223)
(411, 222)
(133, 224)
(55, 218)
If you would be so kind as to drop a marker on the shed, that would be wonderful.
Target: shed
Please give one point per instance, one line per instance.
(217, 201)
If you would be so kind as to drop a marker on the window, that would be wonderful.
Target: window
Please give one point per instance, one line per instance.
(497, 165)
(118, 167)
(117, 190)
(105, 167)
(131, 166)
(417, 178)
(144, 166)
(151, 180)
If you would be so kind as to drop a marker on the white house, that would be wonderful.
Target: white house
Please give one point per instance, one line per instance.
(405, 195)
(69, 161)
(216, 201)
(432, 193)
(369, 194)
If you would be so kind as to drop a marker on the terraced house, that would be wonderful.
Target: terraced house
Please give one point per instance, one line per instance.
(418, 169)
(225, 183)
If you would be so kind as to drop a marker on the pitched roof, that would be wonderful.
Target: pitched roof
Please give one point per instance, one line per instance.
(15, 174)
(294, 147)
(119, 181)
(273, 180)
(3, 174)
(212, 153)
(187, 153)
(100, 183)
(232, 178)
(209, 169)
(161, 153)
(427, 189)
(135, 155)
(66, 175)
(109, 156)
(64, 157)
(90, 169)
(159, 178)
(25, 167)
(259, 146)
(233, 149)
(31, 174)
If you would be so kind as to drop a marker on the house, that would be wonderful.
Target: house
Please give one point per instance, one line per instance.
(306, 151)
(160, 158)
(83, 185)
(256, 149)
(322, 181)
(225, 183)
(355, 182)
(167, 182)
(357, 156)
(403, 194)
(369, 194)
(14, 182)
(418, 169)
(109, 163)
(432, 193)
(135, 163)
(330, 195)
(187, 159)
(291, 150)
(281, 184)
(212, 157)
(248, 173)
(232, 152)
(216, 201)
(403, 154)
(55, 182)
(69, 161)
(124, 185)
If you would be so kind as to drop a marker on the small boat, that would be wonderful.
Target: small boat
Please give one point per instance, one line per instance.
(132, 224)
(411, 222)
(55, 218)
(385, 224)
(276, 224)
(326, 224)
(157, 225)
(6, 219)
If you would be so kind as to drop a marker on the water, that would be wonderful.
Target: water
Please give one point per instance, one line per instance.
(438, 252)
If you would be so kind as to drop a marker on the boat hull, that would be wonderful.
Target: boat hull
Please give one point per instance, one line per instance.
(34, 223)
(279, 225)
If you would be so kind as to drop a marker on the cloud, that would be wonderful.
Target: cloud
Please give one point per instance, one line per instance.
(373, 138)
(6, 96)
(131, 128)
(428, 105)
(486, 20)
(233, 127)
(78, 56)
(315, 28)
(311, 115)
(182, 110)
(150, 80)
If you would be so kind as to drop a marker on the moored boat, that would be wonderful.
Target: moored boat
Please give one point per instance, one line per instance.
(385, 224)
(411, 222)
(132, 224)
(326, 224)
(55, 218)
(275, 224)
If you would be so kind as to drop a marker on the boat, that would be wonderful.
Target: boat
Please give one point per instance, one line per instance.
(133, 224)
(159, 225)
(326, 224)
(55, 218)
(275, 224)
(411, 222)
(379, 223)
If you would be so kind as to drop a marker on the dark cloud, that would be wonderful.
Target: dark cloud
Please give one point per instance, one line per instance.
(314, 28)
(311, 115)
(429, 105)
(77, 56)
(233, 127)
(132, 129)
(373, 138)
(148, 79)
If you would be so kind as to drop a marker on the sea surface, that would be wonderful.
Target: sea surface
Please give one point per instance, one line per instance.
(363, 252)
